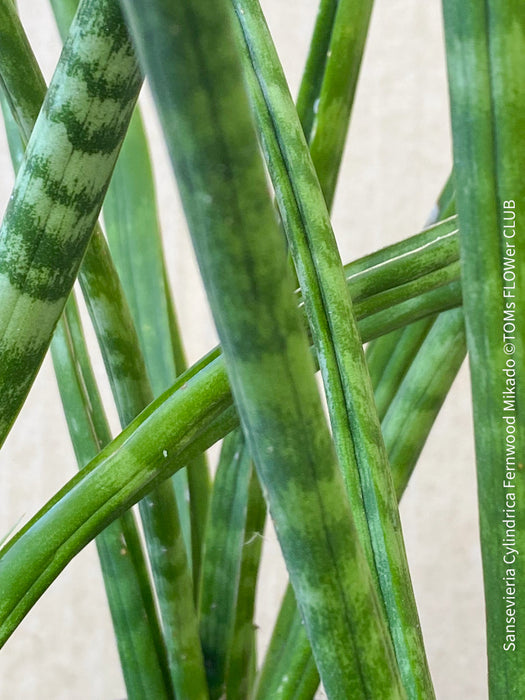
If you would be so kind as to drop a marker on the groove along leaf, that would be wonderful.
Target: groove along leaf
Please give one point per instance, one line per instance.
(137, 629)
(485, 44)
(131, 223)
(198, 407)
(129, 382)
(355, 425)
(222, 185)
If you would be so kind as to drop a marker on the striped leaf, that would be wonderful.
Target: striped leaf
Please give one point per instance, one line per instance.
(354, 420)
(222, 185)
(128, 467)
(137, 629)
(59, 191)
(485, 44)
(128, 378)
(130, 218)
(410, 414)
(126, 579)
(222, 559)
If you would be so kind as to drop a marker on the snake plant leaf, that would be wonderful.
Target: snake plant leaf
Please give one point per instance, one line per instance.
(282, 631)
(288, 657)
(166, 545)
(417, 390)
(414, 408)
(432, 302)
(132, 228)
(242, 658)
(41, 249)
(222, 185)
(133, 231)
(390, 298)
(128, 472)
(137, 628)
(446, 202)
(315, 67)
(130, 385)
(485, 44)
(14, 141)
(328, 85)
(428, 250)
(193, 414)
(355, 424)
(222, 558)
(379, 352)
(126, 579)
(325, 90)
(415, 257)
(333, 107)
(287, 671)
(403, 349)
(97, 274)
(64, 13)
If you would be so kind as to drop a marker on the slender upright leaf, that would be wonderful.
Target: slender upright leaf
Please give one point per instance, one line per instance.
(414, 408)
(242, 660)
(197, 81)
(332, 108)
(486, 66)
(128, 377)
(59, 191)
(410, 414)
(130, 217)
(222, 559)
(137, 629)
(355, 423)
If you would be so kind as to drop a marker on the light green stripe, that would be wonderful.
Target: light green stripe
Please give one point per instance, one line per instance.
(37, 254)
(207, 122)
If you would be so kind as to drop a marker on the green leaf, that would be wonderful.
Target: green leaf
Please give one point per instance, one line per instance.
(222, 558)
(486, 66)
(400, 351)
(332, 108)
(414, 408)
(190, 417)
(128, 467)
(207, 123)
(137, 628)
(133, 231)
(355, 424)
(410, 415)
(129, 381)
(289, 657)
(242, 657)
(130, 217)
(315, 68)
(66, 169)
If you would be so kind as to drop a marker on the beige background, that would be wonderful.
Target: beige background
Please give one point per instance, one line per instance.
(398, 156)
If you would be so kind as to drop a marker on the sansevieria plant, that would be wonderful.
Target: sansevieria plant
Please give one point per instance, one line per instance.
(180, 539)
